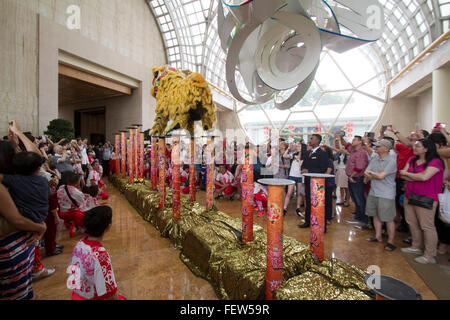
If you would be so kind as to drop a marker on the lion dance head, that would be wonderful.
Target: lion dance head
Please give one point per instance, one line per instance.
(182, 97)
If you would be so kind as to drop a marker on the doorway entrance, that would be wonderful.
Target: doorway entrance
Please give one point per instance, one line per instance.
(83, 100)
(91, 124)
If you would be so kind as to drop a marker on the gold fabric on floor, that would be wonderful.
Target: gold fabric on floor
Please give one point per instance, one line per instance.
(212, 248)
(149, 267)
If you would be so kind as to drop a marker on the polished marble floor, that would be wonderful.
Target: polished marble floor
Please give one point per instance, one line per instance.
(148, 267)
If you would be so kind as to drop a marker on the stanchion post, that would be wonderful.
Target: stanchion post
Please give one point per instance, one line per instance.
(117, 152)
(247, 196)
(192, 179)
(123, 153)
(130, 158)
(153, 164)
(210, 173)
(317, 223)
(136, 152)
(176, 174)
(141, 155)
(274, 269)
(162, 172)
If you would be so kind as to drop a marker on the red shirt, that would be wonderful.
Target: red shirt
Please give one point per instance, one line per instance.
(357, 162)
(404, 154)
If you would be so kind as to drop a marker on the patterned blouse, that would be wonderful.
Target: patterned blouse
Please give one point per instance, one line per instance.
(66, 205)
(91, 273)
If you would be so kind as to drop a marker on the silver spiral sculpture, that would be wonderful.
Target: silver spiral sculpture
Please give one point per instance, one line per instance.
(275, 45)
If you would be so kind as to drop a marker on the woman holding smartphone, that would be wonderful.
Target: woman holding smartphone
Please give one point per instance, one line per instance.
(296, 176)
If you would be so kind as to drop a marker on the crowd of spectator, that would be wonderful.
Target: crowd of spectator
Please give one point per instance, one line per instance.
(46, 188)
(380, 176)
(51, 187)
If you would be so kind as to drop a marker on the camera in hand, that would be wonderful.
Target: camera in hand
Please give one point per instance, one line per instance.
(370, 135)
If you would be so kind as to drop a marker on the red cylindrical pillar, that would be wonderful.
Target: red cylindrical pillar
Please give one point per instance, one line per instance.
(317, 217)
(123, 154)
(210, 174)
(117, 152)
(153, 164)
(224, 151)
(274, 269)
(141, 155)
(176, 174)
(162, 172)
(136, 152)
(130, 158)
(247, 197)
(192, 180)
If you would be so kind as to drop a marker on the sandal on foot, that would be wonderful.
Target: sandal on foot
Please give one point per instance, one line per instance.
(374, 239)
(390, 247)
(44, 273)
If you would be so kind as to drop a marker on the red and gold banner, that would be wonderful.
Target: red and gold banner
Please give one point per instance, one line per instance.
(192, 180)
(176, 181)
(123, 154)
(210, 174)
(117, 152)
(162, 173)
(274, 270)
(153, 164)
(247, 197)
(141, 155)
(317, 217)
(136, 152)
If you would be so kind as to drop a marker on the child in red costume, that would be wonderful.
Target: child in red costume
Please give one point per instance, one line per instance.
(95, 177)
(72, 202)
(260, 197)
(91, 273)
(224, 183)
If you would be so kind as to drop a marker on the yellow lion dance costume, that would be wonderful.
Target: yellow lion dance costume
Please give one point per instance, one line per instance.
(182, 97)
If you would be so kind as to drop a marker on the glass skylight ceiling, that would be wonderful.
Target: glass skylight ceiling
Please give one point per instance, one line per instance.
(411, 26)
(189, 30)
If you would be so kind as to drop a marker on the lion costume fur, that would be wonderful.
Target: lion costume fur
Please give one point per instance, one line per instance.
(183, 97)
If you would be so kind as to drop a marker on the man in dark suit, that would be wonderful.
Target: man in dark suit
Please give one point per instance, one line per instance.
(315, 161)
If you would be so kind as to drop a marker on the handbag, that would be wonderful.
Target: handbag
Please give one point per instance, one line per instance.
(444, 206)
(420, 201)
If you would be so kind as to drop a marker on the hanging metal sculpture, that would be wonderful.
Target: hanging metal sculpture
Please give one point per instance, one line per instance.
(275, 45)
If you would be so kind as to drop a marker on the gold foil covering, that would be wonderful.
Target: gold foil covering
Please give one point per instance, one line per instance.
(314, 286)
(211, 247)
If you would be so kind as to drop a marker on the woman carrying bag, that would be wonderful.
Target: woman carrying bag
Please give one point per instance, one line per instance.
(424, 176)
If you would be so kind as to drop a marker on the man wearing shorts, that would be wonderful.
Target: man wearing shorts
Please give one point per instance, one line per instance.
(380, 203)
